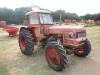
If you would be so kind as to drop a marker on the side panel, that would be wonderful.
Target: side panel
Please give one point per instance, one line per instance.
(37, 32)
(74, 42)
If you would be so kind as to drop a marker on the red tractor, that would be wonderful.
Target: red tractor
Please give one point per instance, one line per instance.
(58, 41)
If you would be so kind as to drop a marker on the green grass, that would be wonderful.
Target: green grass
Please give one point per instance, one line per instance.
(12, 62)
(1, 30)
(93, 34)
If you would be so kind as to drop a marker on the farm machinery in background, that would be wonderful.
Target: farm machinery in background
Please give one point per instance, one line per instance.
(70, 22)
(89, 23)
(98, 22)
(11, 30)
(57, 41)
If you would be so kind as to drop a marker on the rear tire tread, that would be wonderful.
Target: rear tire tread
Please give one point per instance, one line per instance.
(28, 41)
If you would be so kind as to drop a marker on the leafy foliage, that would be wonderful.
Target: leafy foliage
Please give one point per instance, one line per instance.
(13, 16)
(91, 16)
(64, 15)
(17, 16)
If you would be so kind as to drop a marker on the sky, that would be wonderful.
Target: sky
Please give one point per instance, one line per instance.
(80, 7)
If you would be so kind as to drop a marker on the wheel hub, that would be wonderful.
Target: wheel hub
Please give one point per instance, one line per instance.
(80, 50)
(22, 43)
(53, 56)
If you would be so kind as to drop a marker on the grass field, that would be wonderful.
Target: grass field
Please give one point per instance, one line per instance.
(12, 62)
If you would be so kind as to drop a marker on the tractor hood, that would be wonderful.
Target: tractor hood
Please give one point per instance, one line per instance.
(65, 29)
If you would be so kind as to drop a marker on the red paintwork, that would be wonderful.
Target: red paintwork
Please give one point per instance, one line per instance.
(53, 56)
(2, 24)
(52, 29)
(63, 29)
(22, 43)
(11, 30)
(70, 21)
(98, 22)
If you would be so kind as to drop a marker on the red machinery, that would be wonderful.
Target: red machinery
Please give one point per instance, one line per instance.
(58, 41)
(70, 21)
(98, 22)
(11, 30)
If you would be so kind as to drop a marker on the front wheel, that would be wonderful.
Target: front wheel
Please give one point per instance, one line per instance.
(55, 56)
(84, 50)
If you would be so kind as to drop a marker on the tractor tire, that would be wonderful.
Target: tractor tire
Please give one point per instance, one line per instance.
(84, 50)
(55, 56)
(26, 43)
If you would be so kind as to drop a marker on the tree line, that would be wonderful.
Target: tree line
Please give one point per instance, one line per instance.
(95, 17)
(17, 16)
(13, 16)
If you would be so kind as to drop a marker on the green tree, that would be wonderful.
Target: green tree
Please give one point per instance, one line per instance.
(19, 14)
(61, 13)
(6, 14)
(13, 16)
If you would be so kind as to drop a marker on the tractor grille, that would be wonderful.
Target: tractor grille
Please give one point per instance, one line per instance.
(81, 34)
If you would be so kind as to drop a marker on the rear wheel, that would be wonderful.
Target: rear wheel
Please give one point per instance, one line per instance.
(84, 50)
(26, 42)
(55, 56)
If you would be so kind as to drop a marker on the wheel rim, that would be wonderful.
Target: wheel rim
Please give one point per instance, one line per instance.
(80, 50)
(53, 56)
(22, 43)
